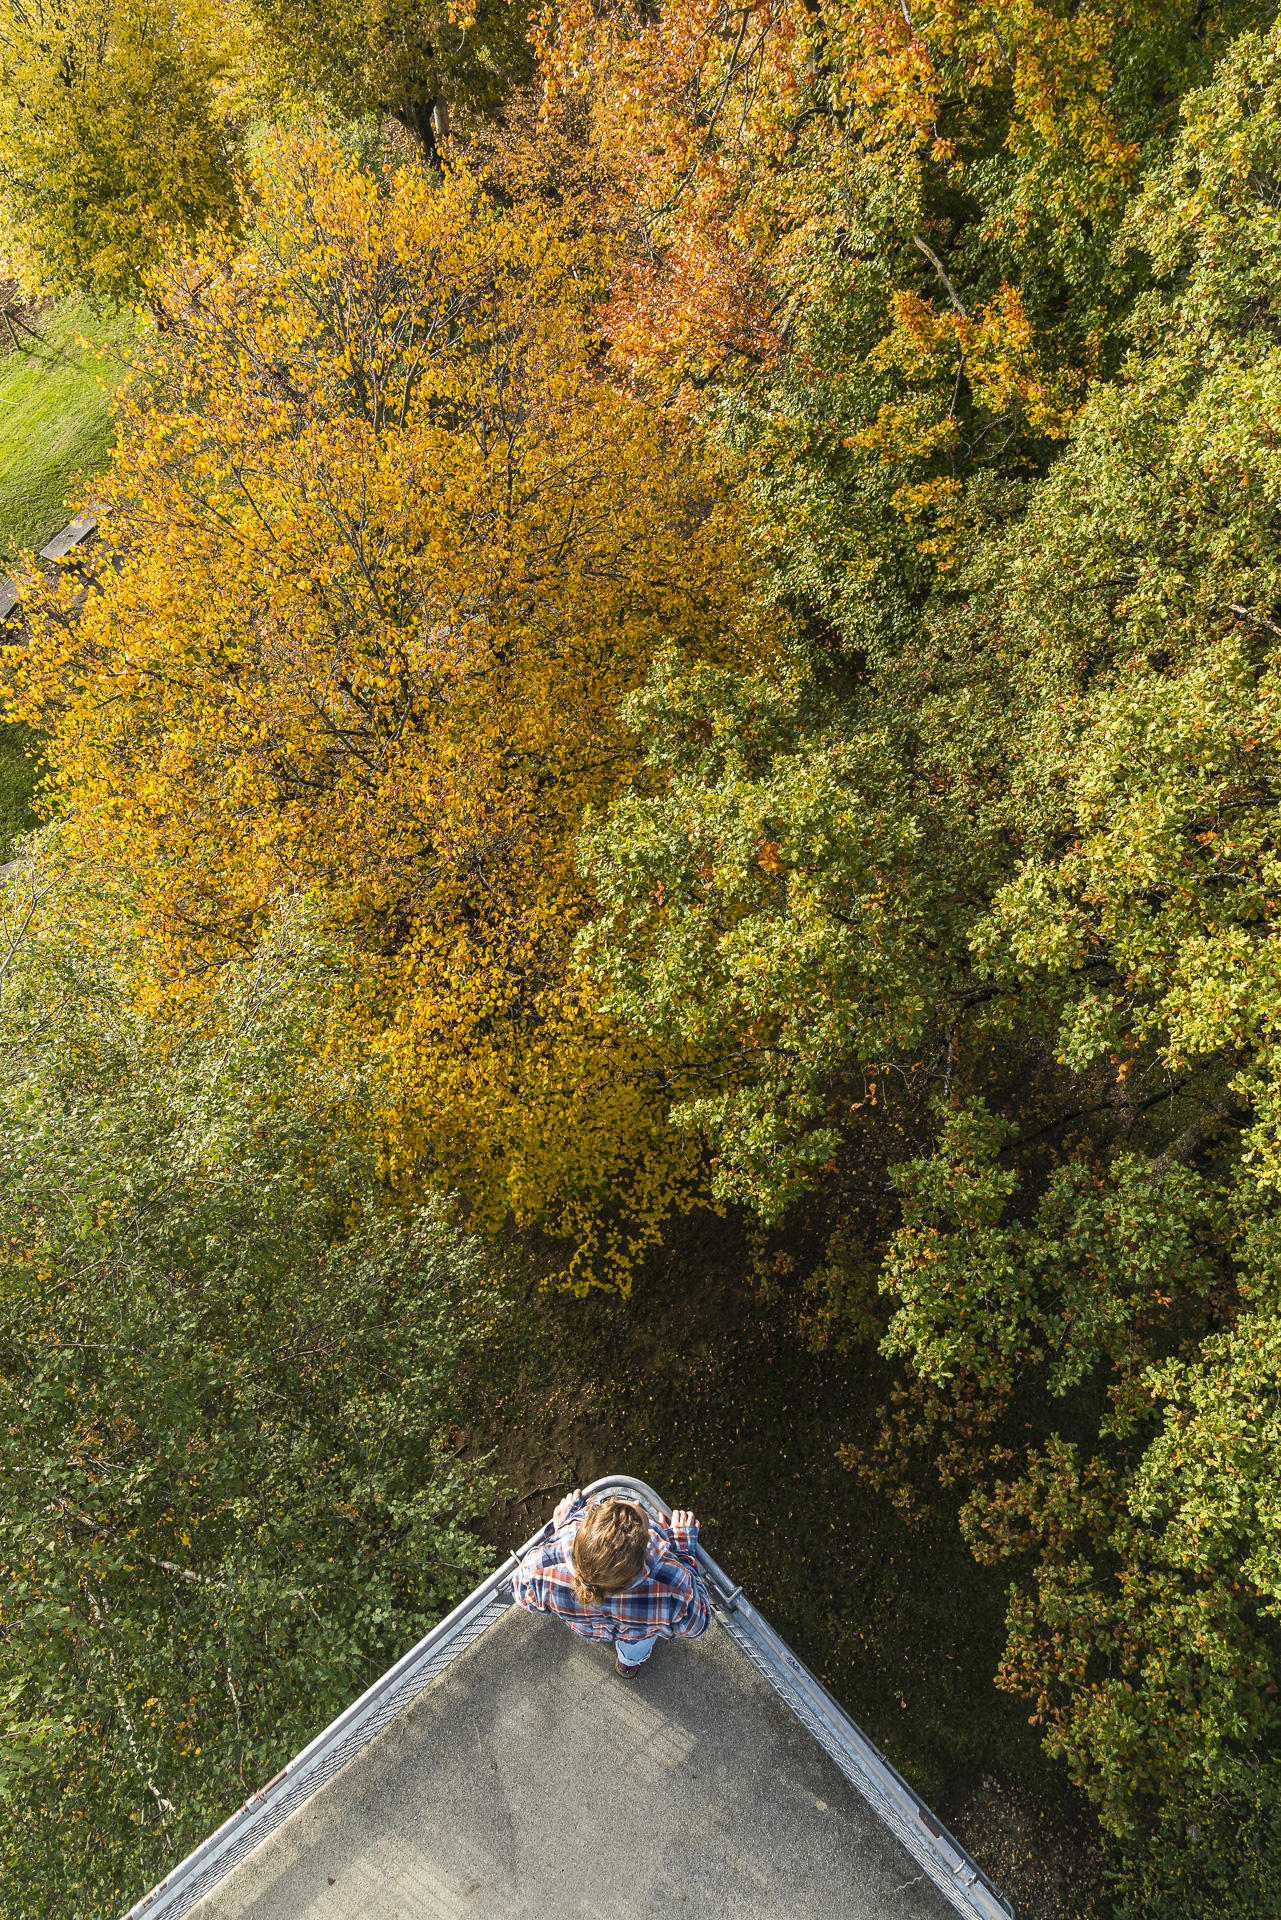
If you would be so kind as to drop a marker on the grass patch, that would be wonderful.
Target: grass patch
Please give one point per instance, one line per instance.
(19, 771)
(54, 420)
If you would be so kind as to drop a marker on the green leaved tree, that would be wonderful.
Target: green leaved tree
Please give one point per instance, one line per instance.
(1003, 857)
(1126, 633)
(415, 63)
(227, 1501)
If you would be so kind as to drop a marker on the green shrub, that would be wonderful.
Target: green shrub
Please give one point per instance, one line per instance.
(226, 1355)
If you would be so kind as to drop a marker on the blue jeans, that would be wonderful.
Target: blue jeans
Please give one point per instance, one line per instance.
(632, 1652)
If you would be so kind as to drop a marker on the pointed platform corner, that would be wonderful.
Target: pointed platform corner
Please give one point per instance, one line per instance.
(503, 1771)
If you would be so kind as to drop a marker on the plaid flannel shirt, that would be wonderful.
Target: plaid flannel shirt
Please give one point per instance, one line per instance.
(668, 1598)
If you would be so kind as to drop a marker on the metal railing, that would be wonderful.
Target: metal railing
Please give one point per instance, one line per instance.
(929, 1843)
(901, 1808)
(397, 1689)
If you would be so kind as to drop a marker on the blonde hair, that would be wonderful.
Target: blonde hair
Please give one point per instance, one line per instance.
(608, 1551)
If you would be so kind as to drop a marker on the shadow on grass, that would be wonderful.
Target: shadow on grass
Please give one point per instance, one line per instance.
(20, 770)
(56, 430)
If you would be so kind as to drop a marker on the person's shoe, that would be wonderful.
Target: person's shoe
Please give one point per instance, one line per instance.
(628, 1673)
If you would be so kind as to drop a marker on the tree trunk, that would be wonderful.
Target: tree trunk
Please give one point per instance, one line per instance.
(417, 116)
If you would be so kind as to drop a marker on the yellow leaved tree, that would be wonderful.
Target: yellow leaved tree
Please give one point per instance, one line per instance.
(386, 548)
(113, 136)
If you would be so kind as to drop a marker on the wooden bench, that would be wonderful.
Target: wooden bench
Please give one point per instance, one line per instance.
(73, 534)
(77, 530)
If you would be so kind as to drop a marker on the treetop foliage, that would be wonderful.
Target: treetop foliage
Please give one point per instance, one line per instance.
(407, 61)
(389, 548)
(740, 612)
(229, 1501)
(957, 943)
(112, 141)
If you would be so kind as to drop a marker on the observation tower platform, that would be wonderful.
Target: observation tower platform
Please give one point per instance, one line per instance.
(502, 1771)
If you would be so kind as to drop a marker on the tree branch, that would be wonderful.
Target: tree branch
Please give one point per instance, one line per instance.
(1248, 613)
(1182, 1149)
(923, 246)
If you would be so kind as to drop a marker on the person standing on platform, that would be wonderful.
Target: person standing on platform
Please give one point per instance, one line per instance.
(611, 1572)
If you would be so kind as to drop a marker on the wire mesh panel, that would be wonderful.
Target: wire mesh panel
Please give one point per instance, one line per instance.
(266, 1811)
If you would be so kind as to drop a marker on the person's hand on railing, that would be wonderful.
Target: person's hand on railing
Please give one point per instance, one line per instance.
(566, 1506)
(684, 1528)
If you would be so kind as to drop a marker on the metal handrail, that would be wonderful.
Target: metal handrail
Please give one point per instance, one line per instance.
(790, 1676)
(949, 1866)
(347, 1721)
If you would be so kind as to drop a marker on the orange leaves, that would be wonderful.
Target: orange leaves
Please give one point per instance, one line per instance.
(388, 554)
(993, 351)
(702, 305)
(761, 141)
(668, 91)
(966, 384)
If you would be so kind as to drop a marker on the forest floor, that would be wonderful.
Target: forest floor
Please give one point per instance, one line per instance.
(697, 1387)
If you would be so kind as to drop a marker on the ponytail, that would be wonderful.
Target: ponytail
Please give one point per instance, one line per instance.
(608, 1551)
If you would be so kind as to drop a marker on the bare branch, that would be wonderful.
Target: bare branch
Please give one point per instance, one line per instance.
(1248, 613)
(924, 247)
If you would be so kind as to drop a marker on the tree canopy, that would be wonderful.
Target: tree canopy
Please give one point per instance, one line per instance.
(111, 139)
(1009, 837)
(741, 616)
(414, 62)
(388, 549)
(227, 1497)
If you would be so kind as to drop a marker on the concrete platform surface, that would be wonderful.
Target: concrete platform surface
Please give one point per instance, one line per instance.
(529, 1780)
